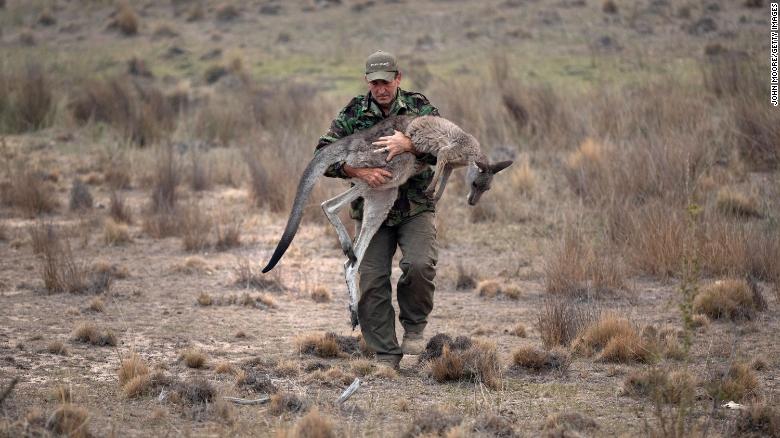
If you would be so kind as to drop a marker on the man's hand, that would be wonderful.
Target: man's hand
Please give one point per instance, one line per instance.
(373, 176)
(395, 144)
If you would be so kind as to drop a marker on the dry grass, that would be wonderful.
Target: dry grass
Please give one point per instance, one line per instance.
(560, 320)
(318, 344)
(88, 332)
(313, 425)
(734, 203)
(283, 402)
(738, 383)
(759, 419)
(228, 233)
(320, 295)
(574, 269)
(570, 423)
(118, 210)
(97, 305)
(676, 387)
(194, 228)
(30, 192)
(61, 394)
(225, 368)
(463, 359)
(433, 422)
(27, 98)
(616, 339)
(126, 20)
(250, 276)
(488, 288)
(115, 233)
(131, 367)
(61, 272)
(534, 359)
(193, 358)
(519, 330)
(80, 198)
(57, 347)
(466, 278)
(729, 298)
(69, 420)
(204, 299)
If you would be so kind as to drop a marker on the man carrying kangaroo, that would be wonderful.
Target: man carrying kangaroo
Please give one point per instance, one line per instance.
(409, 224)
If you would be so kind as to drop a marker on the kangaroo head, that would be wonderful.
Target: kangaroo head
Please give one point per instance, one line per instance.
(479, 181)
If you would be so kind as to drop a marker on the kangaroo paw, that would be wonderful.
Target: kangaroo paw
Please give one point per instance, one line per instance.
(350, 253)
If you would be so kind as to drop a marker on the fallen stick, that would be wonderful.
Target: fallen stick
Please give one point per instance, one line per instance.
(349, 391)
(245, 401)
(7, 391)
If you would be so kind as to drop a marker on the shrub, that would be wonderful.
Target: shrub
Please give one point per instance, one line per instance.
(729, 298)
(29, 192)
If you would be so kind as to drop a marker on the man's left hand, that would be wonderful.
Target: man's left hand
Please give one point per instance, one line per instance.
(395, 144)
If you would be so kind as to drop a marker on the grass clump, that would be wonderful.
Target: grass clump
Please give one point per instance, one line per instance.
(733, 299)
(462, 359)
(616, 340)
(738, 383)
(69, 420)
(193, 358)
(560, 320)
(534, 359)
(569, 424)
(88, 333)
(734, 203)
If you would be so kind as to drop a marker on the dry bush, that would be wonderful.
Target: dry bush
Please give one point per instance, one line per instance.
(97, 305)
(225, 368)
(204, 299)
(616, 339)
(462, 359)
(131, 367)
(759, 135)
(26, 99)
(228, 233)
(655, 239)
(432, 422)
(283, 402)
(560, 320)
(138, 111)
(758, 420)
(80, 198)
(287, 368)
(488, 288)
(575, 269)
(313, 425)
(119, 210)
(125, 19)
(57, 347)
(115, 233)
(167, 177)
(317, 344)
(734, 203)
(250, 276)
(739, 249)
(519, 330)
(29, 192)
(320, 295)
(570, 423)
(466, 278)
(69, 420)
(730, 298)
(534, 359)
(88, 332)
(193, 358)
(60, 271)
(739, 382)
(676, 387)
(195, 228)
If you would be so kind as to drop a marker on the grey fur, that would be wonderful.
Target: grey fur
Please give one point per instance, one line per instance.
(453, 148)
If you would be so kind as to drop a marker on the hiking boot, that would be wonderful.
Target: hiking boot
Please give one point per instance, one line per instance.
(413, 343)
(389, 360)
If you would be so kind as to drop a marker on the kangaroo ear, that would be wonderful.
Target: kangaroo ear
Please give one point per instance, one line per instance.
(483, 167)
(501, 165)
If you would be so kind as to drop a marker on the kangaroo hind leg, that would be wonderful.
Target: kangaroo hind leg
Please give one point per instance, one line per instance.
(332, 206)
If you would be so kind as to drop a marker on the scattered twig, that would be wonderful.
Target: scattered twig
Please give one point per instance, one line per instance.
(349, 391)
(244, 401)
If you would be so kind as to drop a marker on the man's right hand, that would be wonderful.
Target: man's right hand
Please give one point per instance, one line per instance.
(373, 176)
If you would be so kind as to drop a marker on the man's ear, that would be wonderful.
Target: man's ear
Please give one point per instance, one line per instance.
(398, 76)
(501, 165)
(483, 167)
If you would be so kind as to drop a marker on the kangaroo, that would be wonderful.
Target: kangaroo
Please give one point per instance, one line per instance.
(435, 135)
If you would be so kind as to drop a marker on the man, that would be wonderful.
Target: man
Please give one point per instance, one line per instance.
(410, 222)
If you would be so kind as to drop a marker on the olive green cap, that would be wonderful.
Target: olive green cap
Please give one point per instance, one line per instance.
(381, 66)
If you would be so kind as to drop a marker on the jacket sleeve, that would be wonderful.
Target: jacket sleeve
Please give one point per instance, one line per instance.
(338, 129)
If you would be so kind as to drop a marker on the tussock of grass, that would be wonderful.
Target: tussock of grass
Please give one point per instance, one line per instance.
(494, 425)
(730, 298)
(519, 330)
(29, 192)
(734, 203)
(69, 420)
(224, 368)
(131, 367)
(570, 423)
(320, 295)
(737, 384)
(119, 210)
(125, 20)
(97, 305)
(204, 299)
(88, 332)
(313, 425)
(432, 422)
(617, 340)
(462, 359)
(283, 402)
(492, 289)
(466, 278)
(676, 387)
(57, 347)
(115, 233)
(534, 359)
(560, 320)
(193, 358)
(80, 198)
(759, 419)
(250, 276)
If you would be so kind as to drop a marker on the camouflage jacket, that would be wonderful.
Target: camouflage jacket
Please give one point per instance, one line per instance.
(363, 112)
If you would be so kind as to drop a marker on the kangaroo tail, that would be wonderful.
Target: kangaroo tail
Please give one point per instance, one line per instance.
(316, 167)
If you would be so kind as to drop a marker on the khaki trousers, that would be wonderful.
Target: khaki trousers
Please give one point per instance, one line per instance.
(416, 237)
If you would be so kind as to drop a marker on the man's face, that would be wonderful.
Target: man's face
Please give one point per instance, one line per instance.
(384, 92)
